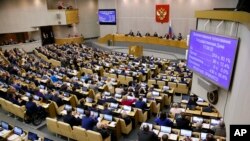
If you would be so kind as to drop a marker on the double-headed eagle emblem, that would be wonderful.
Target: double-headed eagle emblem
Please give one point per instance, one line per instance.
(161, 13)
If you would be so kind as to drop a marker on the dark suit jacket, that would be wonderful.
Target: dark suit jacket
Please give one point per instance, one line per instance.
(71, 120)
(147, 136)
(31, 108)
(104, 132)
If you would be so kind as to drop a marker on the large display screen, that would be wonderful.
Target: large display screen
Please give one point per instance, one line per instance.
(107, 16)
(212, 56)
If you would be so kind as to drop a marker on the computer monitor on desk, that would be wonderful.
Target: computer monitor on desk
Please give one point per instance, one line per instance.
(89, 100)
(155, 93)
(32, 136)
(80, 110)
(36, 97)
(5, 125)
(108, 117)
(203, 136)
(127, 108)
(114, 105)
(215, 122)
(118, 96)
(18, 130)
(197, 119)
(68, 107)
(165, 129)
(186, 133)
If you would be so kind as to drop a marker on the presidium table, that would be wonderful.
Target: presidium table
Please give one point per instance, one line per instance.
(138, 50)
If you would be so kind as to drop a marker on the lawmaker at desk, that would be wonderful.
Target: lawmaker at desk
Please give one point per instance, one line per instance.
(131, 33)
(155, 34)
(147, 34)
(138, 34)
(179, 37)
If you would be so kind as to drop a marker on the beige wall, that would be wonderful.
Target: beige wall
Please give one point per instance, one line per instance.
(88, 25)
(25, 15)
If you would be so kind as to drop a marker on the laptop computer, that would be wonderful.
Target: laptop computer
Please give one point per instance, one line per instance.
(32, 136)
(114, 105)
(203, 136)
(197, 119)
(165, 129)
(80, 110)
(214, 122)
(5, 125)
(127, 108)
(106, 93)
(18, 131)
(94, 114)
(66, 94)
(68, 107)
(28, 94)
(144, 99)
(36, 97)
(186, 133)
(155, 93)
(118, 96)
(89, 100)
(108, 117)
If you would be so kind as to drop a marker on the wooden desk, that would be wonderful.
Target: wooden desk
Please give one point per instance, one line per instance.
(193, 112)
(61, 41)
(146, 40)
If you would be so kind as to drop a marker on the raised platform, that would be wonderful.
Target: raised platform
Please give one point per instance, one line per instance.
(148, 50)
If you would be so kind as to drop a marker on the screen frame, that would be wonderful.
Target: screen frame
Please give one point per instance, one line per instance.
(107, 23)
(233, 64)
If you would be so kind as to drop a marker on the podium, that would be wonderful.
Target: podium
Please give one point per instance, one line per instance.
(137, 51)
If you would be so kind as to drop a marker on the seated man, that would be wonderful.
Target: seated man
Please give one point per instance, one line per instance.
(131, 33)
(147, 34)
(138, 34)
(183, 122)
(146, 135)
(164, 137)
(88, 122)
(155, 34)
(141, 104)
(102, 129)
(179, 37)
(31, 107)
(70, 119)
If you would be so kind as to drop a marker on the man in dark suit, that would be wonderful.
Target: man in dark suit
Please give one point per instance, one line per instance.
(141, 104)
(70, 119)
(183, 122)
(146, 135)
(88, 122)
(31, 107)
(57, 99)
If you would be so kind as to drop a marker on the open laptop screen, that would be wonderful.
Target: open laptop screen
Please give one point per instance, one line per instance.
(18, 131)
(108, 117)
(186, 133)
(165, 129)
(5, 125)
